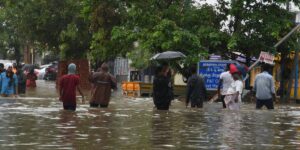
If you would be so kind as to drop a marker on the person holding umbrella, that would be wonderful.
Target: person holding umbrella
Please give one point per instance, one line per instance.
(162, 88)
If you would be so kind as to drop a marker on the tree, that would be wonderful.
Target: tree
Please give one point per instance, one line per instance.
(175, 25)
(103, 16)
(47, 25)
(256, 26)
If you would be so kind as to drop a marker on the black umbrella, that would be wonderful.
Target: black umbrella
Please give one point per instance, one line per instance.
(168, 55)
(27, 67)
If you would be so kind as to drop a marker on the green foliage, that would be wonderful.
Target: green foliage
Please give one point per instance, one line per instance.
(103, 16)
(173, 25)
(105, 29)
(46, 25)
(257, 25)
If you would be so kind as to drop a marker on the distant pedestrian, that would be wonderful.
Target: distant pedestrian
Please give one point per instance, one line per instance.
(31, 79)
(67, 88)
(264, 88)
(102, 84)
(162, 88)
(1, 71)
(224, 83)
(196, 90)
(21, 80)
(15, 68)
(233, 97)
(9, 82)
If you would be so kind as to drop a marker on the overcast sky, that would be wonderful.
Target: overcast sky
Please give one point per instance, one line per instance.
(292, 7)
(207, 1)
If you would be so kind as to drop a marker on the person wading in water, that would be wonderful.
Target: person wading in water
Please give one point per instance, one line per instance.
(162, 88)
(102, 83)
(67, 88)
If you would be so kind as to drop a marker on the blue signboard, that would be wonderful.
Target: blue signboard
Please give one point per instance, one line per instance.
(211, 70)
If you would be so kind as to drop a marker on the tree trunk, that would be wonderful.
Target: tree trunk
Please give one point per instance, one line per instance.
(17, 55)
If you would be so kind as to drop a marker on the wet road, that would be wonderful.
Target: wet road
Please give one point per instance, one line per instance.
(35, 123)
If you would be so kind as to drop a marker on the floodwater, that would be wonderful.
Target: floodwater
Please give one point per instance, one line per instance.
(38, 122)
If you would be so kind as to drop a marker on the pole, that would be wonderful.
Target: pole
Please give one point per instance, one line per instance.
(296, 73)
(287, 36)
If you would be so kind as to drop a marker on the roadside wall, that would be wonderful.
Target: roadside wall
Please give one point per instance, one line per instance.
(83, 70)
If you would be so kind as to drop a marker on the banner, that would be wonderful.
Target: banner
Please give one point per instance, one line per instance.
(266, 58)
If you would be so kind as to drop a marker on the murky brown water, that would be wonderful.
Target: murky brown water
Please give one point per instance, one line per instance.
(134, 124)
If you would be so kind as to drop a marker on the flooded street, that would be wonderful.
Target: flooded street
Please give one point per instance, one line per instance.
(40, 123)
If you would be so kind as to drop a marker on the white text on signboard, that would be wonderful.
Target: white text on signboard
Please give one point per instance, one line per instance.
(266, 57)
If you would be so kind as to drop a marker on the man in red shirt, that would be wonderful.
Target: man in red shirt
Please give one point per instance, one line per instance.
(67, 88)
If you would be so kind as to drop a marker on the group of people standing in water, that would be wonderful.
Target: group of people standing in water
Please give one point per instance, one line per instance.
(13, 80)
(229, 90)
(102, 83)
(163, 90)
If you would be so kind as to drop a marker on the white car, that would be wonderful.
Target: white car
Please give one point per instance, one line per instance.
(42, 71)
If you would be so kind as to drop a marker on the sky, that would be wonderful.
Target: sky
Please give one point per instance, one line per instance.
(212, 2)
(207, 1)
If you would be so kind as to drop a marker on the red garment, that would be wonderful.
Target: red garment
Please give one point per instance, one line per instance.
(68, 84)
(233, 69)
(30, 82)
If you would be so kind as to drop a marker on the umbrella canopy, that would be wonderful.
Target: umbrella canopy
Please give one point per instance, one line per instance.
(27, 67)
(168, 55)
(238, 68)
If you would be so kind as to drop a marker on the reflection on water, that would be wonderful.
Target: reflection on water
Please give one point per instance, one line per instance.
(134, 124)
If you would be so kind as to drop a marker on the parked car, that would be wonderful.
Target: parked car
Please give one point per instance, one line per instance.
(51, 72)
(42, 71)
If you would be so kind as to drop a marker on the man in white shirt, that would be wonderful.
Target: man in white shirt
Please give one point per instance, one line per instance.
(233, 99)
(225, 82)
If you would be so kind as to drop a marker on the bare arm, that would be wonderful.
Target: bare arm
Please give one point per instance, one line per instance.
(273, 89)
(60, 92)
(80, 91)
(187, 100)
(113, 82)
(219, 87)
